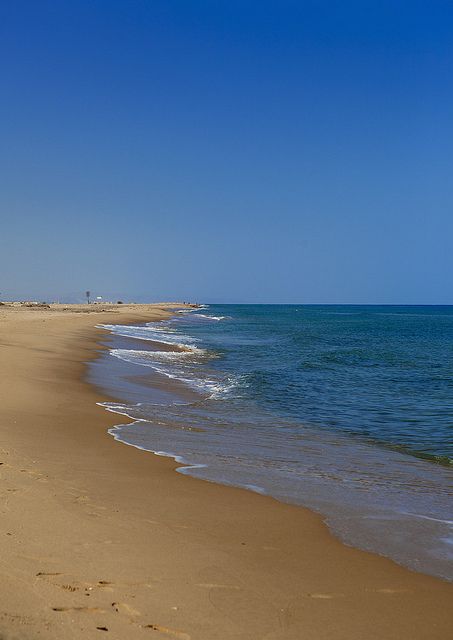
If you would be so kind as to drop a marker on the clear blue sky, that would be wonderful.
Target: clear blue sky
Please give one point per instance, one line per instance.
(227, 150)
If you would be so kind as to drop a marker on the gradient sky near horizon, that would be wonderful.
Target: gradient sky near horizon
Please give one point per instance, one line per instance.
(227, 151)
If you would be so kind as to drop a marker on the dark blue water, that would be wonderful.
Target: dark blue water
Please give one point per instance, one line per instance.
(345, 409)
(384, 373)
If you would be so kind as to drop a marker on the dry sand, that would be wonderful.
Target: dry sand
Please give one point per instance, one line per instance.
(98, 538)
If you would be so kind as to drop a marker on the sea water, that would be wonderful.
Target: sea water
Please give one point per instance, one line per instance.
(347, 410)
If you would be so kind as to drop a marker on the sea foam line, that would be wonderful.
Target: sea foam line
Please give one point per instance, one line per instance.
(202, 315)
(419, 515)
(156, 359)
(165, 356)
(212, 386)
(186, 466)
(165, 454)
(163, 335)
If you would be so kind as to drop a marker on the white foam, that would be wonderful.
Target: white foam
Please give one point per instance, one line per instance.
(120, 409)
(193, 309)
(419, 515)
(151, 332)
(116, 433)
(134, 355)
(214, 387)
(181, 365)
(178, 368)
(202, 315)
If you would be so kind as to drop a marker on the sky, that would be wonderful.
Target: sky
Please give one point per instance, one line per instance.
(227, 151)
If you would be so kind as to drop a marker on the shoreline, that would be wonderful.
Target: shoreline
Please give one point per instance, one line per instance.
(354, 520)
(101, 536)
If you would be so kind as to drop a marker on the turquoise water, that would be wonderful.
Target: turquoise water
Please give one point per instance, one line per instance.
(345, 409)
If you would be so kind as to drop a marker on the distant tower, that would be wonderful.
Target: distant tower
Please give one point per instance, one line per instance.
(87, 293)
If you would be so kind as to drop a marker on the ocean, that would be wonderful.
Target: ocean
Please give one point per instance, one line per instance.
(347, 410)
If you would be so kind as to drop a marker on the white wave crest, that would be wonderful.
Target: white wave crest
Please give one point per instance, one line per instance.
(202, 315)
(201, 306)
(143, 357)
(151, 332)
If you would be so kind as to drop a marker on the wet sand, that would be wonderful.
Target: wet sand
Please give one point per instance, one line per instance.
(101, 538)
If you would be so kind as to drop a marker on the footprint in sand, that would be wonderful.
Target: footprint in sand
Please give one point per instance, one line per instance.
(35, 474)
(174, 633)
(82, 609)
(90, 588)
(105, 584)
(126, 609)
(123, 607)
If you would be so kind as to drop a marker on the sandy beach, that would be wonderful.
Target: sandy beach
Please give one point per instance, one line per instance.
(101, 538)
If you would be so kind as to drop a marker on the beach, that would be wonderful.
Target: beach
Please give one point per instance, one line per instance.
(99, 537)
